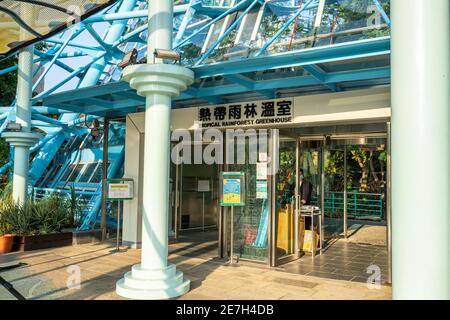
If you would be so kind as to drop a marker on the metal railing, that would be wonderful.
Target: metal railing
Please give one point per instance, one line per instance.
(359, 205)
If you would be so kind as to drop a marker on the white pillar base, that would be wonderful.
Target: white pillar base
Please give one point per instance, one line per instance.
(21, 139)
(147, 284)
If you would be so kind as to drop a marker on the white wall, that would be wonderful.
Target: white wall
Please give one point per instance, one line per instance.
(134, 145)
(337, 108)
(343, 107)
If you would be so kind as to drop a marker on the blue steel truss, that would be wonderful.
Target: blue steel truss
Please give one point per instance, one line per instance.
(238, 49)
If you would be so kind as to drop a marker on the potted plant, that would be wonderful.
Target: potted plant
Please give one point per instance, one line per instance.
(6, 242)
(6, 238)
(40, 224)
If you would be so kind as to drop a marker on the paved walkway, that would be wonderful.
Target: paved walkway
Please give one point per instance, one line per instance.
(344, 260)
(50, 271)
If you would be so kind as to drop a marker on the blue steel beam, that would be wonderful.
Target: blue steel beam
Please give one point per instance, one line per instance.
(283, 28)
(36, 109)
(364, 48)
(382, 12)
(212, 93)
(72, 75)
(74, 33)
(93, 71)
(131, 14)
(14, 67)
(320, 75)
(46, 57)
(231, 10)
(250, 84)
(210, 11)
(193, 92)
(185, 21)
(226, 33)
(337, 52)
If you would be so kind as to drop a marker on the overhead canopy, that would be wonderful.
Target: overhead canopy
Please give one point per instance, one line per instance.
(23, 22)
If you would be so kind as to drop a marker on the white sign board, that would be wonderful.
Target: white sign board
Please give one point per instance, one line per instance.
(261, 171)
(261, 189)
(203, 186)
(263, 157)
(257, 113)
(120, 191)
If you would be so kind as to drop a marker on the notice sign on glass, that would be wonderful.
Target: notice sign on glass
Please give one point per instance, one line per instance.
(261, 170)
(120, 189)
(261, 189)
(232, 189)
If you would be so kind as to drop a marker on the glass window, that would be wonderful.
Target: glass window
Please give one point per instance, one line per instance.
(67, 172)
(75, 172)
(98, 174)
(250, 221)
(88, 172)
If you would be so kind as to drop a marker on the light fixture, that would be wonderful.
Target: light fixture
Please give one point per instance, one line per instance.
(166, 54)
(129, 58)
(13, 126)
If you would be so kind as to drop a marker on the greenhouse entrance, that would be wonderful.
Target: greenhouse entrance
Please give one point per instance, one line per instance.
(349, 175)
(348, 178)
(347, 168)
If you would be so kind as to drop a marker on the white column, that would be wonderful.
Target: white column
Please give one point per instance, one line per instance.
(24, 85)
(20, 175)
(154, 278)
(156, 182)
(22, 140)
(420, 149)
(160, 27)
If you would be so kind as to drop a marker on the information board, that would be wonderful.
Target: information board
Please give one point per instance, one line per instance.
(232, 186)
(261, 189)
(120, 189)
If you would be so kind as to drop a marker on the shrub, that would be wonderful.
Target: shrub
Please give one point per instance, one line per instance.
(49, 215)
(5, 209)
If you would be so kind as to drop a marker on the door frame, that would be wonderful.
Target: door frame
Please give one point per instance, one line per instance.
(178, 198)
(274, 260)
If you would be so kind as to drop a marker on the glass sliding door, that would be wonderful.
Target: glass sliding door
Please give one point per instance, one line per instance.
(199, 196)
(334, 195)
(194, 196)
(311, 163)
(354, 182)
(367, 179)
(285, 211)
(251, 222)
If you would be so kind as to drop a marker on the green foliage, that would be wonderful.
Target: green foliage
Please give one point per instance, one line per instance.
(286, 174)
(190, 52)
(8, 82)
(375, 33)
(309, 163)
(49, 215)
(270, 25)
(74, 206)
(6, 208)
(224, 46)
(4, 155)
